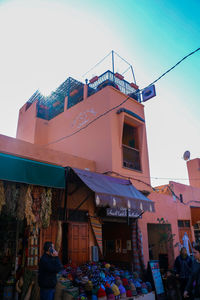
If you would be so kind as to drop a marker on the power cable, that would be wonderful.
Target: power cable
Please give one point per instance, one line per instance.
(155, 190)
(168, 178)
(133, 178)
(98, 117)
(191, 53)
(106, 112)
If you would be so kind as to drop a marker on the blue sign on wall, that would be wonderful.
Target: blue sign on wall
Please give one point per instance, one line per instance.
(148, 93)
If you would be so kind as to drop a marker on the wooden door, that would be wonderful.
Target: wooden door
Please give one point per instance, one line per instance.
(49, 234)
(78, 243)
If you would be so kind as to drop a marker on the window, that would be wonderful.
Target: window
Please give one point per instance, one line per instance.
(181, 198)
(130, 146)
(184, 223)
(197, 232)
(77, 215)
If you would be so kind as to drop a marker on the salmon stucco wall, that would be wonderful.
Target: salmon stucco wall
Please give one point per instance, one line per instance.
(75, 131)
(190, 194)
(193, 167)
(27, 123)
(27, 150)
(171, 210)
(93, 142)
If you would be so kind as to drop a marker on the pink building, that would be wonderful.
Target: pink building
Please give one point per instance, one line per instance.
(194, 172)
(102, 121)
(96, 121)
(100, 126)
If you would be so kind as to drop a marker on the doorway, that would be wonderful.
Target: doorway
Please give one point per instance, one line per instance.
(160, 240)
(78, 243)
(117, 245)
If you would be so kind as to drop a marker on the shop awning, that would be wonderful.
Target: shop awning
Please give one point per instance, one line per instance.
(17, 169)
(115, 192)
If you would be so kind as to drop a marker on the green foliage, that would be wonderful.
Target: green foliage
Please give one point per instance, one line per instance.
(162, 221)
(166, 236)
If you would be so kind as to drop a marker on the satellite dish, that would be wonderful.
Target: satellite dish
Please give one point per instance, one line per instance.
(186, 155)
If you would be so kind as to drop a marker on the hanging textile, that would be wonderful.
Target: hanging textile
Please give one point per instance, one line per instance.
(97, 229)
(46, 211)
(11, 197)
(21, 201)
(138, 258)
(2, 195)
(58, 236)
(30, 217)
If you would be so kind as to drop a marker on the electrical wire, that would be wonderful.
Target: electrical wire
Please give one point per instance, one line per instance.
(130, 177)
(191, 53)
(168, 178)
(168, 186)
(95, 119)
(106, 112)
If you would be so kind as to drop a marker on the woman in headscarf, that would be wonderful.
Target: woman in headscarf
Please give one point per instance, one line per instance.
(193, 284)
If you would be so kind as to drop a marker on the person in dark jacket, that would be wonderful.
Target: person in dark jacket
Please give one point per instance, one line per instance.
(171, 286)
(193, 285)
(49, 266)
(182, 268)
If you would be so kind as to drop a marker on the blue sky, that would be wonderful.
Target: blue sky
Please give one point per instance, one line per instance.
(44, 42)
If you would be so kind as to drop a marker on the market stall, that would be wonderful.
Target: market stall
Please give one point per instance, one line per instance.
(101, 281)
(25, 210)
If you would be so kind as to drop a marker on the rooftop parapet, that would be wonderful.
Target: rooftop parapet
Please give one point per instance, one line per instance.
(50, 106)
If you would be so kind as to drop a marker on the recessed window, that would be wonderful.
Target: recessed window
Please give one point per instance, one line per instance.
(183, 223)
(130, 146)
(77, 215)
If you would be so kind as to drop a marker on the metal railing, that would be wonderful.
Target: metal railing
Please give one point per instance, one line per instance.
(131, 158)
(123, 85)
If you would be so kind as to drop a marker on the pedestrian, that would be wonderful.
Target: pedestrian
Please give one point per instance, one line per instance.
(49, 266)
(171, 286)
(193, 285)
(182, 268)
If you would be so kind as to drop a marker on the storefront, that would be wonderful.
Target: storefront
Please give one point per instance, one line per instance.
(29, 192)
(93, 215)
(111, 207)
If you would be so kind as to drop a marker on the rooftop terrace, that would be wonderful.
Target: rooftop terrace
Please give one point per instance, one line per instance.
(50, 106)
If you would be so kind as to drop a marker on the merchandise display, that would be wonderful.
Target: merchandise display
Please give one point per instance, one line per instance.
(100, 281)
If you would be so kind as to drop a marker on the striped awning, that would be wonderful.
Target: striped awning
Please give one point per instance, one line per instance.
(97, 230)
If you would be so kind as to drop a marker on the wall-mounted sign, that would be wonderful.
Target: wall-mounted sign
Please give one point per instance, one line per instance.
(148, 93)
(122, 212)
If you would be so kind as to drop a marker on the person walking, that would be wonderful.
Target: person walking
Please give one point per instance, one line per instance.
(193, 284)
(49, 266)
(182, 268)
(171, 287)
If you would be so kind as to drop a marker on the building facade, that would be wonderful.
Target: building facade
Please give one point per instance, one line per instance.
(98, 129)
